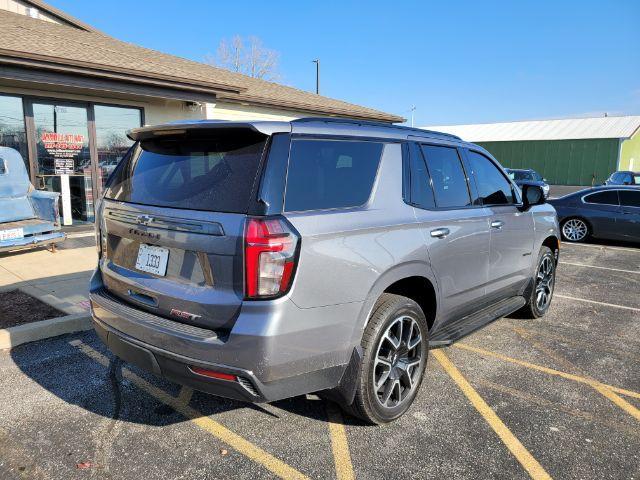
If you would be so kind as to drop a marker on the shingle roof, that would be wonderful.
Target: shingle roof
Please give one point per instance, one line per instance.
(564, 129)
(45, 45)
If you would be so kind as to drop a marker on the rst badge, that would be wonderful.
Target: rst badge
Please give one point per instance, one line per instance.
(185, 315)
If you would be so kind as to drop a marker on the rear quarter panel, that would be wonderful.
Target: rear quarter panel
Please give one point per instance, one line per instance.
(345, 251)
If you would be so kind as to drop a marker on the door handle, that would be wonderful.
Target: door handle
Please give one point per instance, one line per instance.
(497, 224)
(440, 232)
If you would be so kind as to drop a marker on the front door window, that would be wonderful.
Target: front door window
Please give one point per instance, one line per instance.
(64, 158)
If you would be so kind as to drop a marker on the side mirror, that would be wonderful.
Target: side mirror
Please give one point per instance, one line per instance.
(532, 195)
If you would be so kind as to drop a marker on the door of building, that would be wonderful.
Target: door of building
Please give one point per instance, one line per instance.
(63, 157)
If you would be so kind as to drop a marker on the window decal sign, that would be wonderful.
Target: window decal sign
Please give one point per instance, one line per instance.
(64, 148)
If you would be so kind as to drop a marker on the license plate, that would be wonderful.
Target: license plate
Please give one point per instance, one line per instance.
(11, 234)
(152, 259)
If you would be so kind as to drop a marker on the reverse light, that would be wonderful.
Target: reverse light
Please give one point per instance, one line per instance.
(270, 255)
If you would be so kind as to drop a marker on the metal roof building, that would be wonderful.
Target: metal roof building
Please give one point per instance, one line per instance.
(571, 151)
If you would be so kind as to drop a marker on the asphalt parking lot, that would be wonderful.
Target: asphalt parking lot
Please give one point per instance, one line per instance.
(557, 397)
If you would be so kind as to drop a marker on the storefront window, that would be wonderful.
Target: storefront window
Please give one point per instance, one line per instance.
(62, 160)
(63, 157)
(112, 124)
(12, 131)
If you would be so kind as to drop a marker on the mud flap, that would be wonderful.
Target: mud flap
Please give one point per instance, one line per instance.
(345, 392)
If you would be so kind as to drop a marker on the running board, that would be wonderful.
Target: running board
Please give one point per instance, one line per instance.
(460, 328)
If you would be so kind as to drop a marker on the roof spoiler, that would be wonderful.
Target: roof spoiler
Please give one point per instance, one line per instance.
(181, 128)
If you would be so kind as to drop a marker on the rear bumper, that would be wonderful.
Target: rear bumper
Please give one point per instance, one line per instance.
(270, 361)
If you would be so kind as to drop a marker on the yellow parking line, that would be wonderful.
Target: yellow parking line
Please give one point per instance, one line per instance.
(276, 466)
(518, 450)
(567, 297)
(626, 406)
(184, 397)
(621, 402)
(339, 444)
(550, 371)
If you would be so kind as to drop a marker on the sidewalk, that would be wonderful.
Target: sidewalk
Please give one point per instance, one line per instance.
(59, 279)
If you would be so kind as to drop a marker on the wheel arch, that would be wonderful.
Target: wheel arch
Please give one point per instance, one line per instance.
(405, 279)
(552, 242)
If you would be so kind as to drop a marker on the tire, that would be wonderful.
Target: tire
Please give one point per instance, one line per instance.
(575, 229)
(544, 280)
(390, 344)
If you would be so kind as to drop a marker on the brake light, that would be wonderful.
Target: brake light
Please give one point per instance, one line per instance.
(270, 256)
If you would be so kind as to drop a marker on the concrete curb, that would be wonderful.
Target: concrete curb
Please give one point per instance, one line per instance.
(30, 332)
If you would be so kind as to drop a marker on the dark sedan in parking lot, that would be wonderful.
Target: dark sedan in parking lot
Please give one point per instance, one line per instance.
(607, 212)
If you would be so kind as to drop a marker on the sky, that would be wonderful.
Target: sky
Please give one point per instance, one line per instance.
(456, 61)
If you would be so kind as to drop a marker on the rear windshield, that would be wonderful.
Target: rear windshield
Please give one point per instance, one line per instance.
(212, 171)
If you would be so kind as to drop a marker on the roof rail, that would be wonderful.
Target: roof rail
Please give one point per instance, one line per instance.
(372, 123)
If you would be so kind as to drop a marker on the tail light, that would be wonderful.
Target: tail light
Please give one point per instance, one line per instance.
(270, 253)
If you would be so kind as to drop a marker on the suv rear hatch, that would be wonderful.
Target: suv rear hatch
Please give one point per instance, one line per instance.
(173, 219)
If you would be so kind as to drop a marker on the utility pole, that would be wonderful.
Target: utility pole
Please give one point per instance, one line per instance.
(317, 62)
(413, 109)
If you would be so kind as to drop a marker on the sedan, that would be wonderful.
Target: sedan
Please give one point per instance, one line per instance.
(605, 212)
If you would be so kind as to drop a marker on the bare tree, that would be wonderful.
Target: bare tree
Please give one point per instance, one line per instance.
(249, 57)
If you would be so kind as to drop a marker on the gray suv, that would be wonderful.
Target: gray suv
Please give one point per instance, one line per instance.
(263, 260)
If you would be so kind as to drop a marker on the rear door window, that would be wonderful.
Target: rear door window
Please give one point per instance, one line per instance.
(493, 186)
(420, 192)
(447, 174)
(629, 198)
(607, 197)
(214, 171)
(326, 174)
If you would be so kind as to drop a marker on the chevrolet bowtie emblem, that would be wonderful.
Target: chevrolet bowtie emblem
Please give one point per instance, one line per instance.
(144, 219)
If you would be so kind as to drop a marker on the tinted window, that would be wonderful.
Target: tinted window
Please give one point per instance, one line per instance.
(629, 198)
(449, 181)
(330, 174)
(421, 194)
(617, 177)
(212, 172)
(493, 187)
(607, 197)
